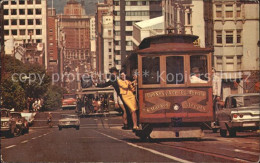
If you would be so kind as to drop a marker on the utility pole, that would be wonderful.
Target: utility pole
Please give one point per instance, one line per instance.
(2, 52)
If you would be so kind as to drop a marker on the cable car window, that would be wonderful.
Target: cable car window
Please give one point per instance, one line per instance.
(151, 69)
(175, 70)
(199, 69)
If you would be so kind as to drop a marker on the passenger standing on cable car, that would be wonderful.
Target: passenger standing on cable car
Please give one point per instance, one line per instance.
(113, 81)
(126, 91)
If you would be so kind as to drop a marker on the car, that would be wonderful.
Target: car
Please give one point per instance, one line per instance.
(8, 125)
(69, 121)
(22, 124)
(240, 112)
(69, 101)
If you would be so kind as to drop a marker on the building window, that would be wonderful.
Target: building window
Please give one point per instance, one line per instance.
(13, 12)
(117, 43)
(117, 33)
(133, 3)
(30, 31)
(38, 31)
(21, 2)
(22, 22)
(13, 2)
(14, 32)
(219, 37)
(239, 41)
(116, 3)
(38, 2)
(109, 43)
(22, 31)
(30, 21)
(38, 40)
(51, 44)
(129, 23)
(144, 3)
(6, 12)
(109, 50)
(188, 18)
(6, 22)
(30, 11)
(239, 61)
(238, 10)
(38, 22)
(229, 11)
(6, 32)
(110, 56)
(21, 11)
(14, 22)
(218, 11)
(38, 11)
(109, 32)
(128, 33)
(229, 37)
(117, 23)
(129, 43)
(29, 2)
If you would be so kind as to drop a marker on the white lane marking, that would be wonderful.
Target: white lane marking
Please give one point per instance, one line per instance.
(241, 160)
(11, 146)
(247, 152)
(34, 138)
(24, 141)
(148, 149)
(39, 136)
(45, 134)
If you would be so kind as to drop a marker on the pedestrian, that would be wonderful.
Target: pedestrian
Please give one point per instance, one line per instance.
(216, 84)
(114, 82)
(126, 90)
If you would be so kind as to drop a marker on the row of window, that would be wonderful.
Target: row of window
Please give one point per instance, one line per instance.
(37, 11)
(137, 13)
(23, 22)
(128, 23)
(229, 10)
(229, 62)
(22, 2)
(229, 37)
(23, 32)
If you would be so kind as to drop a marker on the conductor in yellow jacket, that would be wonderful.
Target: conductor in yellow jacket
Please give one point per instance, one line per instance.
(126, 91)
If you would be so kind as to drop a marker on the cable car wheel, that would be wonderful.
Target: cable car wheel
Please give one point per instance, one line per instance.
(145, 132)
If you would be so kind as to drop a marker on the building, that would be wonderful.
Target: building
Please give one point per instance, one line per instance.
(147, 28)
(236, 33)
(102, 9)
(107, 42)
(52, 41)
(93, 42)
(186, 17)
(27, 21)
(1, 44)
(75, 25)
(126, 13)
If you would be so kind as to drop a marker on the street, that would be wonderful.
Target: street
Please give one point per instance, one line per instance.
(101, 139)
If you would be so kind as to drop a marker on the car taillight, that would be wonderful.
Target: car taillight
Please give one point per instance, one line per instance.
(241, 115)
(235, 116)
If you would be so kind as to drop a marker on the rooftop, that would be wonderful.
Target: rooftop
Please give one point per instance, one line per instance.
(150, 22)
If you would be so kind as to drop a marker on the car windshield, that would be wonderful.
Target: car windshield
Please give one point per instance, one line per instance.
(4, 113)
(243, 101)
(68, 96)
(69, 116)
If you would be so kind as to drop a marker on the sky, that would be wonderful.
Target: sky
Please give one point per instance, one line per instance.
(90, 5)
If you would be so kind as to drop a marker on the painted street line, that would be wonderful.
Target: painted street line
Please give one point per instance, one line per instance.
(148, 149)
(11, 146)
(24, 141)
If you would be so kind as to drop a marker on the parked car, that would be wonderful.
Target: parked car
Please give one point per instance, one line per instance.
(22, 124)
(69, 101)
(69, 121)
(240, 112)
(8, 125)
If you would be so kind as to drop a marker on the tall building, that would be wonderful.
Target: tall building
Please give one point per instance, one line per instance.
(102, 9)
(107, 42)
(236, 33)
(27, 21)
(93, 42)
(126, 13)
(52, 41)
(186, 17)
(75, 25)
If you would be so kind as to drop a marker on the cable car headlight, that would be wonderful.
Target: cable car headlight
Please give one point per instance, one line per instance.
(176, 107)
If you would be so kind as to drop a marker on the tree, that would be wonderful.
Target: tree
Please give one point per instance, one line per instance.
(52, 99)
(13, 95)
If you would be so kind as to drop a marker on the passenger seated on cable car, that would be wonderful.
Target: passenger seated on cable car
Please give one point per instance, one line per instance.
(195, 76)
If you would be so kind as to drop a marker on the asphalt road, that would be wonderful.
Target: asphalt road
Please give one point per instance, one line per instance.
(100, 139)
